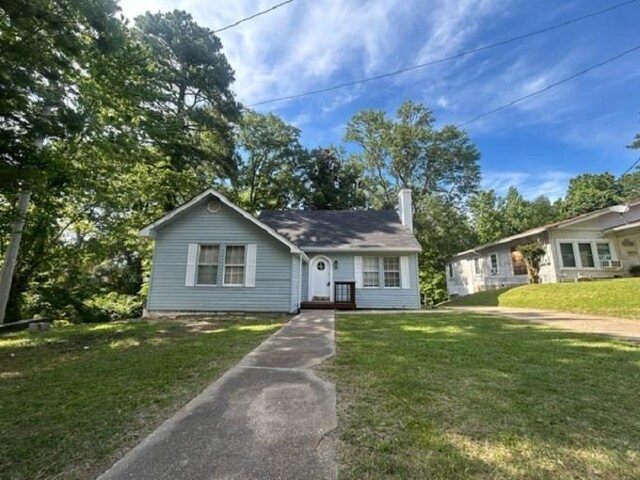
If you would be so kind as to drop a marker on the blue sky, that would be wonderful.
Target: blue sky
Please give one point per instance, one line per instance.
(581, 126)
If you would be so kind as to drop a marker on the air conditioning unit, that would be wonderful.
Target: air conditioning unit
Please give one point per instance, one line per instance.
(611, 264)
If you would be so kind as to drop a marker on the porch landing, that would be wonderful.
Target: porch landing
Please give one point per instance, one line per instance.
(327, 305)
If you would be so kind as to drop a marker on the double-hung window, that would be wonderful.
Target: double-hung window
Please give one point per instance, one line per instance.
(234, 265)
(494, 263)
(586, 255)
(370, 272)
(604, 252)
(568, 255)
(476, 266)
(207, 273)
(391, 271)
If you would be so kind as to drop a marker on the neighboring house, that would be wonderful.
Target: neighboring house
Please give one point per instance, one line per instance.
(212, 256)
(599, 244)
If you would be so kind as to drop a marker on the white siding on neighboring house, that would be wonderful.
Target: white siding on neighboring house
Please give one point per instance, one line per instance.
(588, 236)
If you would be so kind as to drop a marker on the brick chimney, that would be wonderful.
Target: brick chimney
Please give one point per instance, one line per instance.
(405, 208)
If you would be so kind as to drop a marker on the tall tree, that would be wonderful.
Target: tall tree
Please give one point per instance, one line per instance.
(516, 212)
(630, 185)
(270, 153)
(46, 48)
(190, 118)
(410, 152)
(329, 182)
(591, 191)
(439, 165)
(486, 209)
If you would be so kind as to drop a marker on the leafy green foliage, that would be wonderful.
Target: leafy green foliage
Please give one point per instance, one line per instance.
(329, 182)
(270, 153)
(495, 217)
(143, 120)
(589, 192)
(45, 48)
(441, 168)
(190, 114)
(532, 254)
(410, 152)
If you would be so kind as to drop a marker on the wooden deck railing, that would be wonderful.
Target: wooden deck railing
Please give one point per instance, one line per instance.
(344, 294)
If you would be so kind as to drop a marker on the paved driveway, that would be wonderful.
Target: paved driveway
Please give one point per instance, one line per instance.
(267, 418)
(616, 327)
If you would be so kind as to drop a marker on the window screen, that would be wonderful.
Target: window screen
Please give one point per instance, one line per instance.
(392, 271)
(234, 265)
(208, 265)
(567, 254)
(370, 272)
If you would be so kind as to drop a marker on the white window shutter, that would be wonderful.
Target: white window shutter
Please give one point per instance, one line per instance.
(404, 273)
(250, 266)
(192, 256)
(357, 268)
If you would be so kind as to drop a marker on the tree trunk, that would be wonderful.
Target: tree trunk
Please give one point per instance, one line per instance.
(11, 255)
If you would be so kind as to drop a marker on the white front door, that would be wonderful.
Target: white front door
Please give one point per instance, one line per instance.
(320, 278)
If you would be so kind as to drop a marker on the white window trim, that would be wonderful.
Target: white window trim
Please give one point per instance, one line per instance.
(225, 265)
(578, 257)
(371, 287)
(384, 272)
(217, 264)
(478, 272)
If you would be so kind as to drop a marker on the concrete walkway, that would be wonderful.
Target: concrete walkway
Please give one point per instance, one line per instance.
(266, 418)
(616, 327)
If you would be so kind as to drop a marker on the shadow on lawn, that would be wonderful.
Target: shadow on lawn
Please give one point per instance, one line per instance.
(488, 396)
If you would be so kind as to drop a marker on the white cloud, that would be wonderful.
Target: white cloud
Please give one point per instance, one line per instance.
(552, 184)
(306, 45)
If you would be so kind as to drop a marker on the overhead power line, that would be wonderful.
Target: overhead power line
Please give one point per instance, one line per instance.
(252, 16)
(631, 167)
(446, 59)
(550, 86)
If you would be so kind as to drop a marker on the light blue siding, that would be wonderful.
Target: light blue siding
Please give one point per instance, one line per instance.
(372, 297)
(273, 281)
(295, 282)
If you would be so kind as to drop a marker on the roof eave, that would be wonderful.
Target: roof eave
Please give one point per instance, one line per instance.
(317, 249)
(149, 230)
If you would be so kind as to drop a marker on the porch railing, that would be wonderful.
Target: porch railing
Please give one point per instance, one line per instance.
(344, 293)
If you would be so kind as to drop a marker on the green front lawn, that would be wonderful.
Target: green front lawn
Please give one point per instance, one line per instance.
(73, 398)
(456, 396)
(614, 298)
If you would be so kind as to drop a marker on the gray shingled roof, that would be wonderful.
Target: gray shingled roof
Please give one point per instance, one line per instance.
(349, 229)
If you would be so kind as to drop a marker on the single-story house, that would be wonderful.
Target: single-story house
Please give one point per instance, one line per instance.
(600, 244)
(210, 255)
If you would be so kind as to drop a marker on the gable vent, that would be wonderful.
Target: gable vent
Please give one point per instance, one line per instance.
(214, 206)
